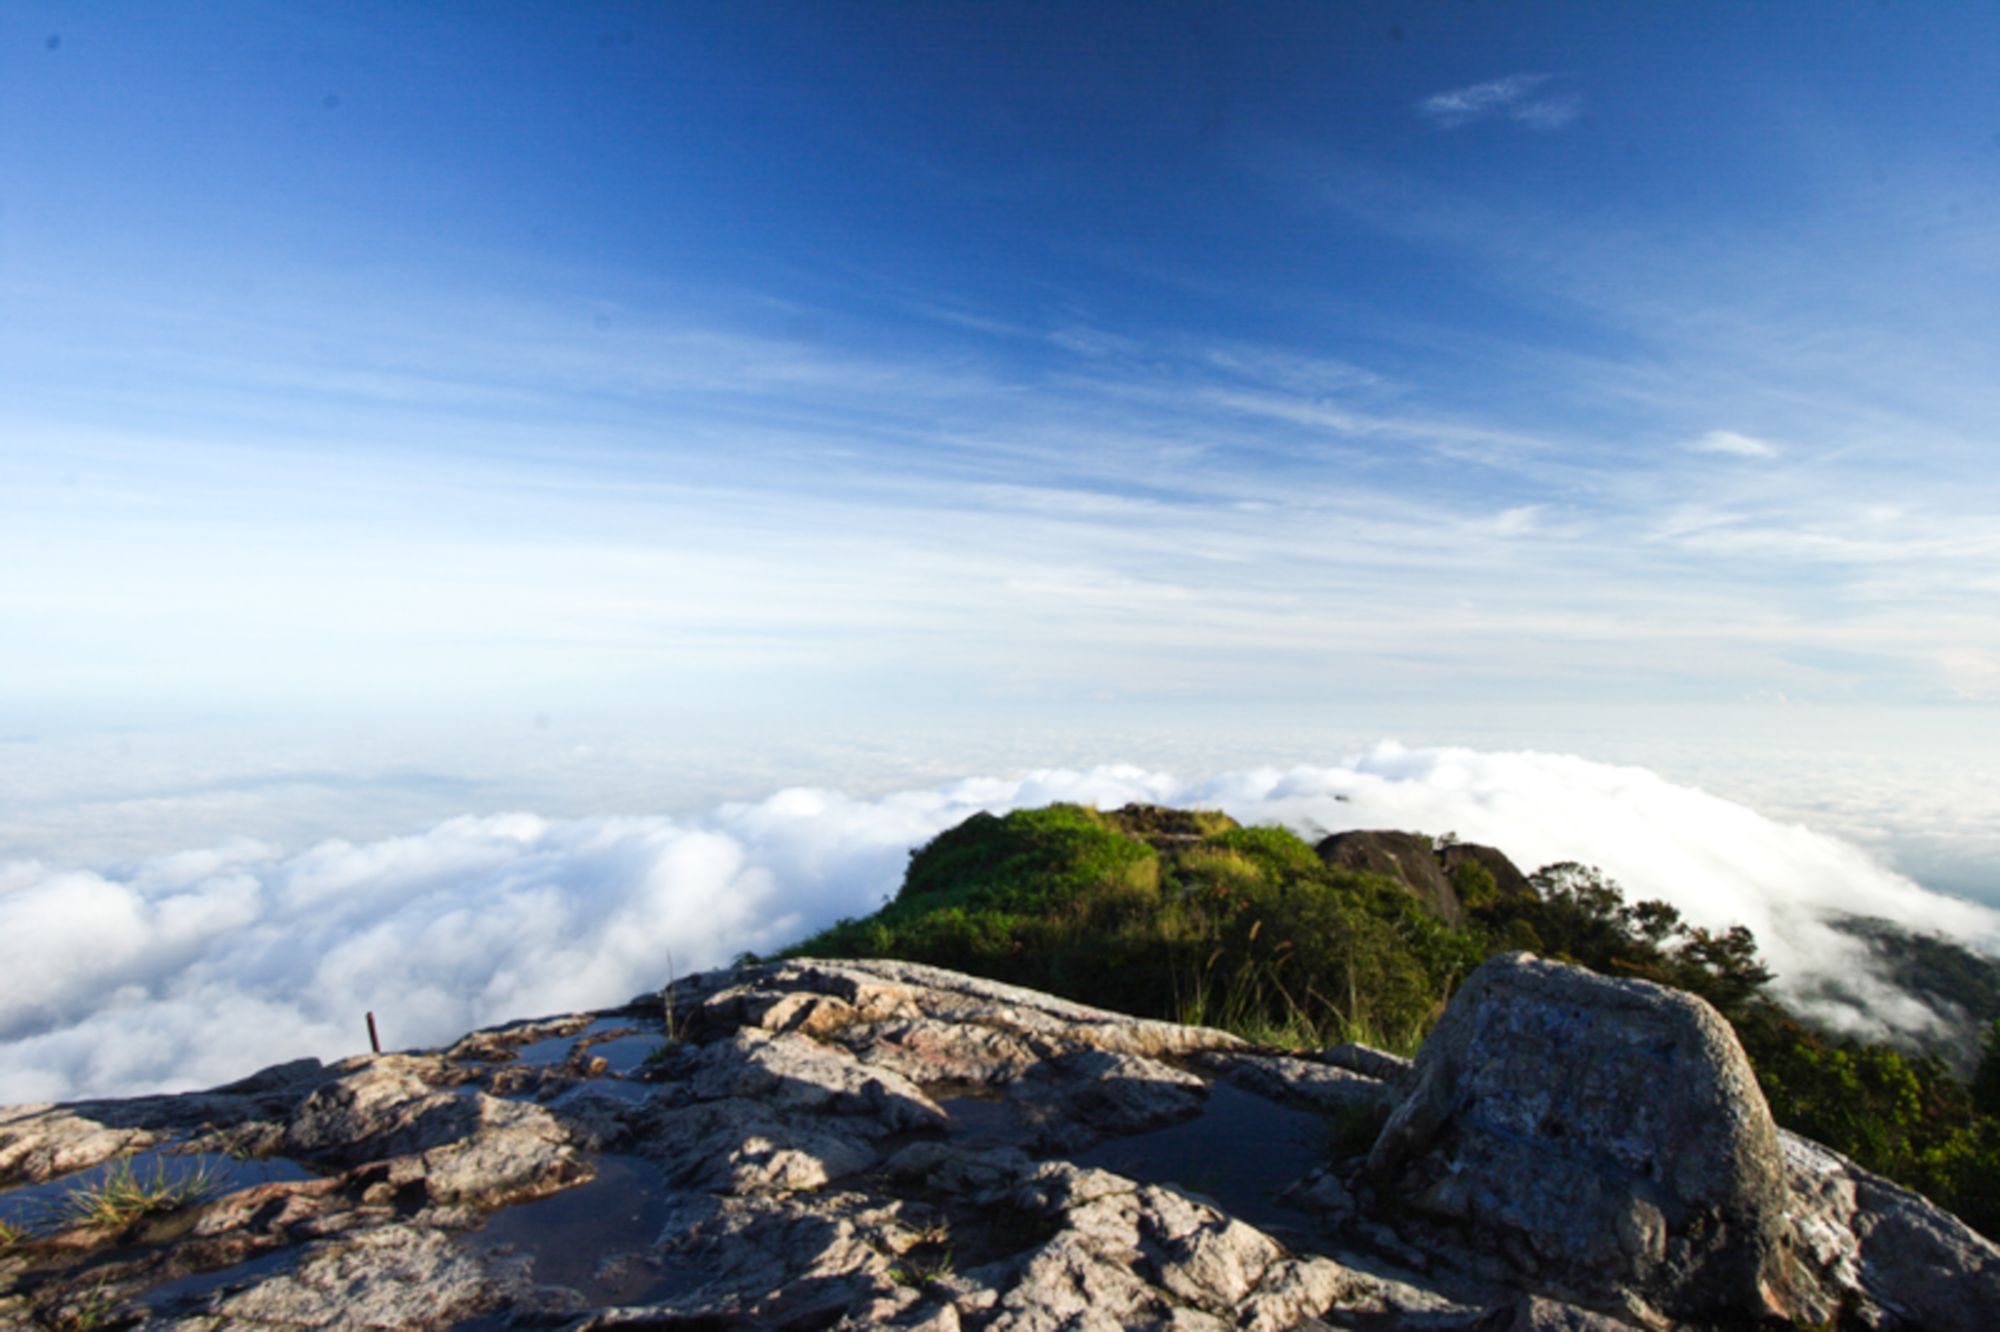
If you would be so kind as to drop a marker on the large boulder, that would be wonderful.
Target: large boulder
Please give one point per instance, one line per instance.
(1604, 1137)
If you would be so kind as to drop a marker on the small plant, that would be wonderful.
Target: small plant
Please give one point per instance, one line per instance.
(1351, 1132)
(669, 1021)
(121, 1195)
(922, 1271)
(85, 1314)
(10, 1235)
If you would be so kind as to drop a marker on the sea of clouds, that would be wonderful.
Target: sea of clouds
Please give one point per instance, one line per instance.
(195, 968)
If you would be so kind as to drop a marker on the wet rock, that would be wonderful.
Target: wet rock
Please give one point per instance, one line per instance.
(878, 1144)
(1324, 1193)
(734, 1146)
(880, 989)
(1532, 1313)
(776, 1260)
(390, 1277)
(1602, 1133)
(389, 1105)
(1306, 1083)
(791, 1073)
(510, 1153)
(41, 1142)
(498, 1045)
(1369, 1062)
(930, 1050)
(1131, 1255)
(1079, 1099)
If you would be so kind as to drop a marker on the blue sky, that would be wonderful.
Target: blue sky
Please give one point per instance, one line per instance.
(995, 361)
(479, 461)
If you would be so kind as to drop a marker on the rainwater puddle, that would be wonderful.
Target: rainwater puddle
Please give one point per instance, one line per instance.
(551, 1050)
(35, 1206)
(576, 1236)
(189, 1289)
(981, 1121)
(632, 1093)
(1241, 1151)
(626, 1053)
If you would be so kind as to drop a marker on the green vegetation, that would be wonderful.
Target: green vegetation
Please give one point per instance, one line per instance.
(923, 1271)
(1171, 914)
(10, 1235)
(1186, 915)
(87, 1313)
(121, 1195)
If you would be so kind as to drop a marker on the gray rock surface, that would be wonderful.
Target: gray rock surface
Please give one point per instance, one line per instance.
(1887, 1254)
(1607, 1138)
(857, 1145)
(1609, 1132)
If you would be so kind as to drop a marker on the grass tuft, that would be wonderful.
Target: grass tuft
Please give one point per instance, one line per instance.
(123, 1194)
(921, 1272)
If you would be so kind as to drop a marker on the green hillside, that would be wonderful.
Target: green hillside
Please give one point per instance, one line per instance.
(1188, 916)
(1173, 914)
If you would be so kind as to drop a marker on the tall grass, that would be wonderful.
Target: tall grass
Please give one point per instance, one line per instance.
(122, 1194)
(1251, 1001)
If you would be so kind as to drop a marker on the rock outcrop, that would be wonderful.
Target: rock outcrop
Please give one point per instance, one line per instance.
(882, 1144)
(1508, 880)
(1423, 867)
(1409, 858)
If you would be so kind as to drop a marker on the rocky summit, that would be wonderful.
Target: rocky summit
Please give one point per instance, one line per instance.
(882, 1144)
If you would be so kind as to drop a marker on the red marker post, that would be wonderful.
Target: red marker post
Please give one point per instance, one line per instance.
(374, 1041)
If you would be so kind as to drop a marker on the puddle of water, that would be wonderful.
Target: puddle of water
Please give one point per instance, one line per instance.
(572, 1236)
(631, 1092)
(547, 1051)
(186, 1290)
(41, 1205)
(1241, 1151)
(981, 1121)
(555, 1049)
(626, 1053)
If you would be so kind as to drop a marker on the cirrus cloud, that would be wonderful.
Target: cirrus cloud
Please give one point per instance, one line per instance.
(1733, 444)
(1518, 97)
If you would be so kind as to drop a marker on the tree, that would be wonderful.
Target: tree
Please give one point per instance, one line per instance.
(1986, 1082)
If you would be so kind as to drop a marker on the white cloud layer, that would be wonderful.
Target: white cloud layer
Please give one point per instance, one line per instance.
(195, 968)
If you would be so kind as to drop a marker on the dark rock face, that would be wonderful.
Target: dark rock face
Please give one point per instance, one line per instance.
(1407, 857)
(1507, 876)
(882, 1144)
(1412, 860)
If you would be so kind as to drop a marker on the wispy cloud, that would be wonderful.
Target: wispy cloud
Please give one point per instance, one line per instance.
(1734, 444)
(1523, 98)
